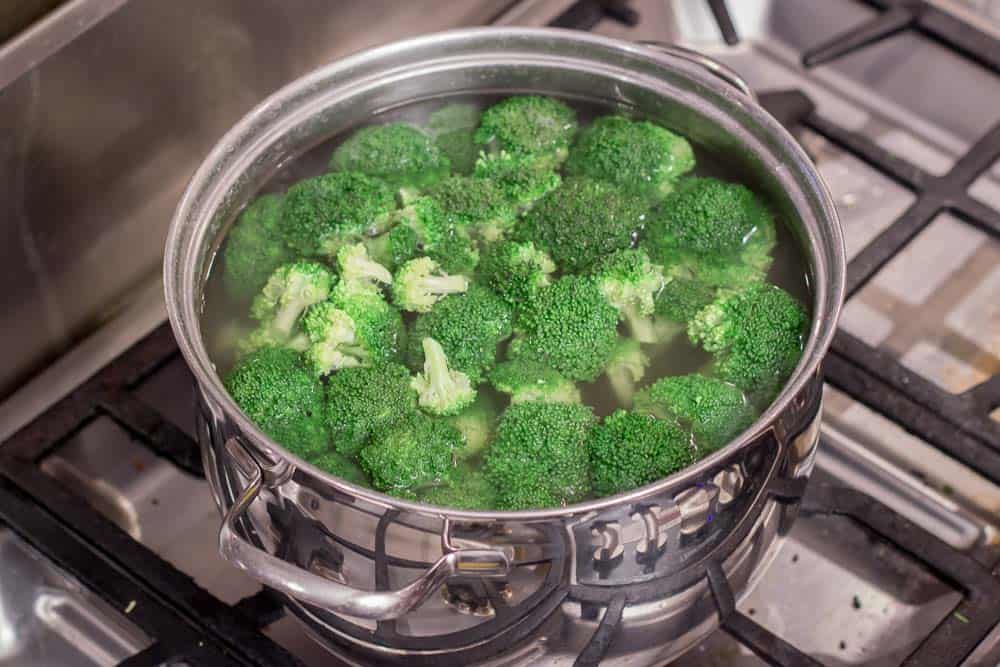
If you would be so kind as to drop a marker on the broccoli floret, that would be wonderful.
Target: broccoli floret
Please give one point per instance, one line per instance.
(378, 325)
(356, 267)
(520, 179)
(516, 271)
(477, 423)
(581, 221)
(254, 248)
(630, 282)
(527, 380)
(714, 410)
(756, 334)
(719, 231)
(629, 450)
(637, 156)
(420, 284)
(400, 154)
(529, 125)
(274, 389)
(468, 490)
(333, 340)
(456, 252)
(682, 297)
(453, 127)
(290, 290)
(420, 228)
(626, 368)
(571, 328)
(415, 453)
(323, 213)
(364, 401)
(476, 205)
(341, 466)
(441, 390)
(468, 326)
(539, 456)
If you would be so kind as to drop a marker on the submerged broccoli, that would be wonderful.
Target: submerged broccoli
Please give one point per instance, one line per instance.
(415, 453)
(254, 248)
(420, 226)
(539, 456)
(630, 282)
(364, 401)
(476, 205)
(420, 284)
(441, 390)
(341, 466)
(520, 179)
(638, 156)
(468, 490)
(756, 334)
(719, 231)
(682, 297)
(323, 213)
(626, 368)
(714, 410)
(359, 269)
(527, 380)
(629, 450)
(402, 155)
(516, 271)
(571, 328)
(529, 125)
(290, 290)
(468, 326)
(274, 389)
(477, 423)
(581, 221)
(453, 127)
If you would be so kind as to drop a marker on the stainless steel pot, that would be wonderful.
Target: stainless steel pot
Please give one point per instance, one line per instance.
(362, 569)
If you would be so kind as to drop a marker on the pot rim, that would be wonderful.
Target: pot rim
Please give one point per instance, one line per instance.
(180, 279)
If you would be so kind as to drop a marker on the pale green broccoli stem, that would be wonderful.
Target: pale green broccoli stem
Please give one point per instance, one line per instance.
(625, 372)
(407, 195)
(565, 392)
(418, 287)
(355, 265)
(441, 391)
(334, 346)
(641, 326)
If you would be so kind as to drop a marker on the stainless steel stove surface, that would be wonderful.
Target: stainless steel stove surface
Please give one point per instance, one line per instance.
(837, 590)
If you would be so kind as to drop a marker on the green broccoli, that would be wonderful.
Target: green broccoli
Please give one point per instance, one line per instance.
(637, 156)
(415, 453)
(527, 380)
(520, 179)
(539, 457)
(682, 297)
(468, 326)
(477, 423)
(581, 221)
(529, 125)
(378, 325)
(456, 252)
(365, 401)
(290, 290)
(254, 248)
(420, 227)
(453, 127)
(629, 450)
(420, 284)
(333, 340)
(402, 155)
(719, 231)
(714, 410)
(356, 267)
(476, 205)
(571, 328)
(630, 282)
(323, 213)
(341, 466)
(275, 390)
(441, 390)
(468, 490)
(756, 334)
(516, 271)
(626, 368)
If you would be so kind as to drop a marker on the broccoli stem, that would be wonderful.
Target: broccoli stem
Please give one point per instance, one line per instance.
(623, 382)
(444, 284)
(641, 326)
(436, 367)
(286, 317)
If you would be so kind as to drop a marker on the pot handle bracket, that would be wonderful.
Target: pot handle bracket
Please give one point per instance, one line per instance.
(314, 589)
(721, 71)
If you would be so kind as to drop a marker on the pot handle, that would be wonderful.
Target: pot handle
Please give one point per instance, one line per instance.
(314, 589)
(724, 72)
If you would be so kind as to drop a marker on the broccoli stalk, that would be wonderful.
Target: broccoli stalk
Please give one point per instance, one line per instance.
(441, 390)
(356, 267)
(420, 284)
(626, 368)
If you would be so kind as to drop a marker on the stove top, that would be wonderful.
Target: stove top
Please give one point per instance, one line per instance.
(107, 528)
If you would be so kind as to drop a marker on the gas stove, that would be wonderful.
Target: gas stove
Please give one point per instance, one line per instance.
(108, 530)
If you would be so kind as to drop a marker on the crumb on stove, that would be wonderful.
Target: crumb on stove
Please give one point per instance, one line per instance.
(856, 602)
(751, 611)
(843, 645)
(795, 558)
(130, 606)
(961, 617)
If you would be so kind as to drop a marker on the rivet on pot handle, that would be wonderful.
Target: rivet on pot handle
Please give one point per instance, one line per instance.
(313, 589)
(724, 72)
